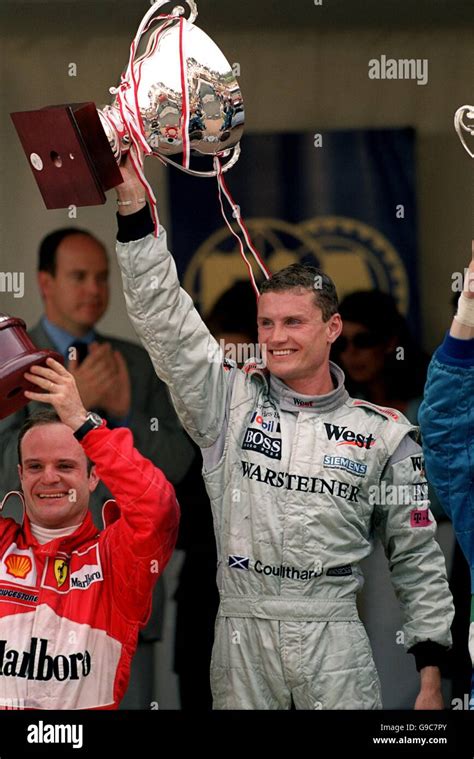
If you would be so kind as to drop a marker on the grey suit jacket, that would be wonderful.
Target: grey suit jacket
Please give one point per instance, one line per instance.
(168, 446)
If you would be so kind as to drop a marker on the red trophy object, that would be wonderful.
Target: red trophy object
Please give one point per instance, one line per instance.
(17, 355)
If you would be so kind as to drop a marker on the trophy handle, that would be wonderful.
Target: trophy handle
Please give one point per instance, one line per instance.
(194, 173)
(459, 125)
(179, 10)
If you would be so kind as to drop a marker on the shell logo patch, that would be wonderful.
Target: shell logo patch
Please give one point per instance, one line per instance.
(18, 565)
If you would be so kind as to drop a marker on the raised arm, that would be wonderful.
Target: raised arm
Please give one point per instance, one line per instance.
(183, 352)
(139, 544)
(447, 418)
(462, 326)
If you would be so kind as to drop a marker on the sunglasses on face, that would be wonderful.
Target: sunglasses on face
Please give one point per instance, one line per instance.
(360, 340)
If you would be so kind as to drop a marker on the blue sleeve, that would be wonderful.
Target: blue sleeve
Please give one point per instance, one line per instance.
(455, 352)
(446, 419)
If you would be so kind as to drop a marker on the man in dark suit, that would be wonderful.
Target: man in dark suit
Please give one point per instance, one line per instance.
(114, 378)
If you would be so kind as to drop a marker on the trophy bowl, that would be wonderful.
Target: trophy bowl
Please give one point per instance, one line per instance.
(181, 80)
(180, 95)
(17, 355)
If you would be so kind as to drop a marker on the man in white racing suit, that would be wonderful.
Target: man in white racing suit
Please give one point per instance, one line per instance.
(299, 476)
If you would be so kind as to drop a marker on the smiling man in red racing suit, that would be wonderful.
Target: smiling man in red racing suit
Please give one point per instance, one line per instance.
(73, 599)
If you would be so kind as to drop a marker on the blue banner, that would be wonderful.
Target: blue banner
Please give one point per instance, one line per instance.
(342, 200)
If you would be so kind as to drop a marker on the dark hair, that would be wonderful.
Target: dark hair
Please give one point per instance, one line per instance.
(235, 311)
(378, 313)
(49, 246)
(309, 278)
(45, 416)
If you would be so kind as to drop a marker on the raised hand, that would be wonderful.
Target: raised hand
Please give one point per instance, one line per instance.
(117, 399)
(131, 195)
(103, 380)
(463, 323)
(469, 278)
(61, 392)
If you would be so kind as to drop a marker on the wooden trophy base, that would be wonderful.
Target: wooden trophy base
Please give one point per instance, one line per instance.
(68, 153)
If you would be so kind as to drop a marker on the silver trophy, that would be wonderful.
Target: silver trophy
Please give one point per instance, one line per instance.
(179, 96)
(462, 127)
